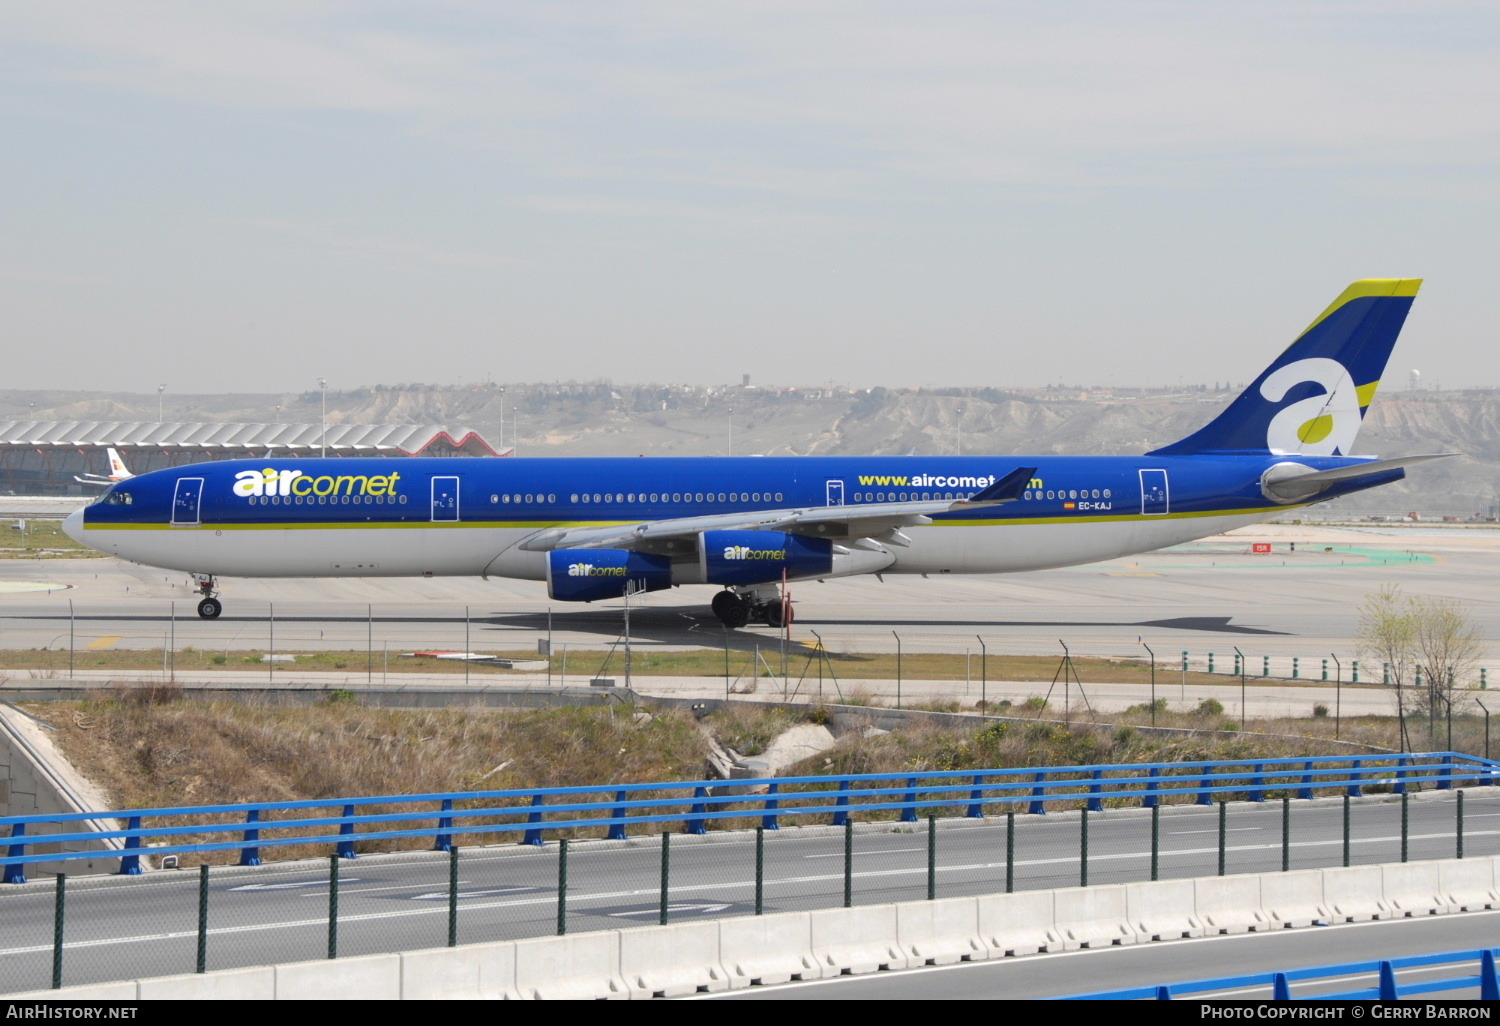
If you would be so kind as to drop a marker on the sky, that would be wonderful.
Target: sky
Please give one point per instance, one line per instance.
(247, 196)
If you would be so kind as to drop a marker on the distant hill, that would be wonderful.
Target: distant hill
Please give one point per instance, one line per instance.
(606, 419)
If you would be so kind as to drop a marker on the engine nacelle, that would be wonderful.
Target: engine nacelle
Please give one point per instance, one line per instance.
(587, 575)
(758, 557)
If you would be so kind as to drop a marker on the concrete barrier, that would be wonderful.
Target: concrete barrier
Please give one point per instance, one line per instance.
(1229, 904)
(1092, 917)
(1163, 910)
(1469, 884)
(468, 972)
(1017, 924)
(371, 977)
(768, 949)
(580, 966)
(799, 945)
(1355, 894)
(940, 932)
(673, 960)
(1293, 899)
(255, 984)
(1412, 889)
(857, 940)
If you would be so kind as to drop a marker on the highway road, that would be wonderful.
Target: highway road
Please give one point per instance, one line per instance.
(123, 928)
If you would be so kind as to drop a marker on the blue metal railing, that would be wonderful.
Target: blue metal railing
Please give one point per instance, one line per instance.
(251, 827)
(1388, 989)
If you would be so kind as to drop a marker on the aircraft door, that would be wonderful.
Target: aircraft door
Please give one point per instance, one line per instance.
(445, 499)
(836, 492)
(1155, 498)
(186, 501)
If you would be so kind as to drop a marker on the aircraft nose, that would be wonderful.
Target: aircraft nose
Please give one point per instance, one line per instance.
(72, 526)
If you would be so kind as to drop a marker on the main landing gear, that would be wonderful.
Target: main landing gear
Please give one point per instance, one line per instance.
(209, 607)
(736, 609)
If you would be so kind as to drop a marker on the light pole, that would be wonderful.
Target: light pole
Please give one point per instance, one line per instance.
(1153, 681)
(323, 438)
(159, 390)
(500, 442)
(1338, 694)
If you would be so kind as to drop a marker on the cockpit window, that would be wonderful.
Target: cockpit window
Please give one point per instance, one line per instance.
(117, 498)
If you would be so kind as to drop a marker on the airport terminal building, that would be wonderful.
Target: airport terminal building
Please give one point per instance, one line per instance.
(46, 457)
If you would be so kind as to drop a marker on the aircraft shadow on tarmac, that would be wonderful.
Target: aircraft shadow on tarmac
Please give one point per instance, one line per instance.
(692, 627)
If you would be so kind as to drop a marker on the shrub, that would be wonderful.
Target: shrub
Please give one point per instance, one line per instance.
(1320, 710)
(1210, 707)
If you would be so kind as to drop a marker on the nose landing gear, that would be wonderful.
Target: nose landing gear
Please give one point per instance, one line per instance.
(736, 609)
(209, 607)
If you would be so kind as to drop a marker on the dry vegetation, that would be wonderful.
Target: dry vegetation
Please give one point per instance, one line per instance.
(148, 747)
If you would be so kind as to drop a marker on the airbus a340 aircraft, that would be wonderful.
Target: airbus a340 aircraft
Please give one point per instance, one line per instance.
(599, 528)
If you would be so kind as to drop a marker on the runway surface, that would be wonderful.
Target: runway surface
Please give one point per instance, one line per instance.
(1208, 596)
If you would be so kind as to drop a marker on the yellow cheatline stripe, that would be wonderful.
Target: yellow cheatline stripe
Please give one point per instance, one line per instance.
(104, 642)
(1366, 288)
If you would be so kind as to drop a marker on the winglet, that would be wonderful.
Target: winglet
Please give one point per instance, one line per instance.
(1007, 489)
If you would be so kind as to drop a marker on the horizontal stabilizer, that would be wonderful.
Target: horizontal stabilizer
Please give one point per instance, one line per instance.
(1291, 485)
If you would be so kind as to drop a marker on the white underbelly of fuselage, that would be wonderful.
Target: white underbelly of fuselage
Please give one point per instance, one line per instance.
(419, 550)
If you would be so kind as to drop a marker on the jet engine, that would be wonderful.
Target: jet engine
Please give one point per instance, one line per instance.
(587, 575)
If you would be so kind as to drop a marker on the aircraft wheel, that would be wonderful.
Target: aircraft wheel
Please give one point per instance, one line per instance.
(733, 612)
(776, 614)
(210, 608)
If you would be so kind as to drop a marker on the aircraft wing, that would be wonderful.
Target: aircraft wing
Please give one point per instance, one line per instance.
(866, 520)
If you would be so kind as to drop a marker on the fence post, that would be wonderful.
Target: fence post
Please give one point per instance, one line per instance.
(1286, 833)
(1388, 989)
(250, 853)
(1355, 667)
(1346, 830)
(202, 962)
(1296, 667)
(1405, 824)
(453, 895)
(932, 858)
(768, 821)
(1281, 990)
(1460, 833)
(760, 870)
(841, 813)
(444, 840)
(848, 863)
(666, 874)
(1010, 852)
(976, 800)
(1306, 790)
(1265, 666)
(1445, 774)
(346, 830)
(59, 905)
(1356, 777)
(1155, 842)
(1095, 803)
(562, 886)
(1258, 776)
(16, 872)
(694, 824)
(617, 829)
(909, 814)
(1204, 797)
(1152, 798)
(1489, 981)
(1083, 847)
(1223, 831)
(1038, 806)
(130, 862)
(333, 906)
(533, 835)
(1210, 662)
(1400, 787)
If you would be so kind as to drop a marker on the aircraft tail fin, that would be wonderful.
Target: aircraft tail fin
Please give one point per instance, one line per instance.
(1312, 399)
(117, 468)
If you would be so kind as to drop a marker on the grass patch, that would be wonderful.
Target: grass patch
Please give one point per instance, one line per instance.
(42, 539)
